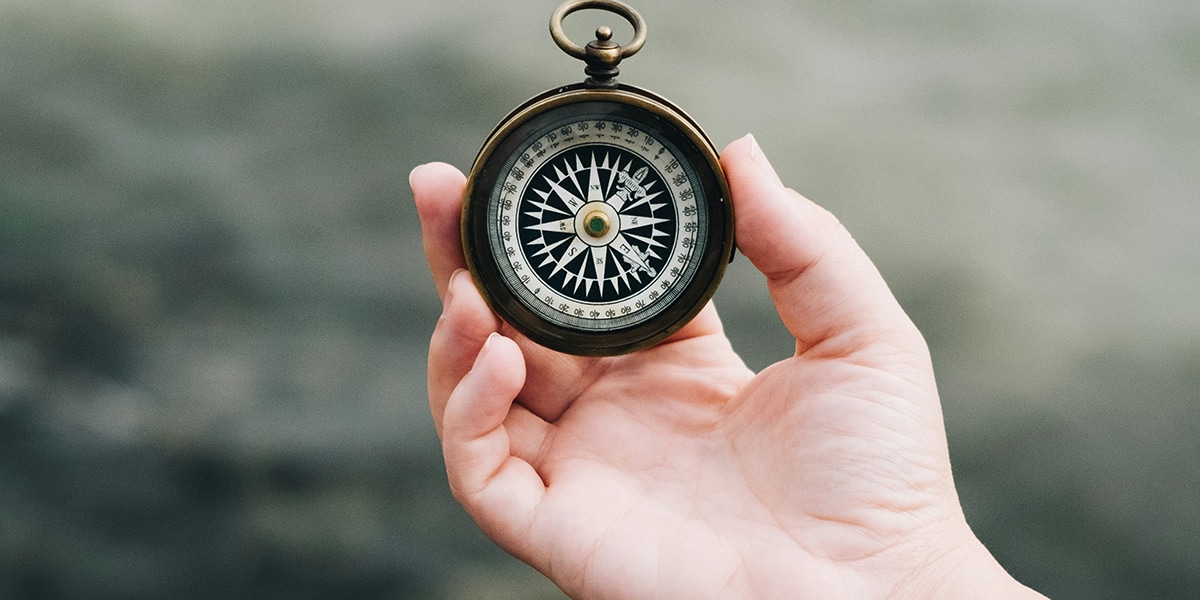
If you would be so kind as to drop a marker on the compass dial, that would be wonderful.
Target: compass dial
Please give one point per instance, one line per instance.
(594, 233)
(601, 232)
(594, 226)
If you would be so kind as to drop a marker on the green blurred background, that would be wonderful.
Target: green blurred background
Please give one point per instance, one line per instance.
(214, 308)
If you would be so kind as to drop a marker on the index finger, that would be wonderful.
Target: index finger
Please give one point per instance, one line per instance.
(438, 192)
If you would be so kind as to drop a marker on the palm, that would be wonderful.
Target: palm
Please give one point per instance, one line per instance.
(685, 468)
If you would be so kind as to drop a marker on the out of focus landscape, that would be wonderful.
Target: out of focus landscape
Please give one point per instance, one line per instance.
(214, 308)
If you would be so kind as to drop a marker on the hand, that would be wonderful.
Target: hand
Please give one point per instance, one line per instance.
(675, 472)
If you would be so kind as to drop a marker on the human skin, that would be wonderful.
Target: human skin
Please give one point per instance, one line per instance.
(676, 472)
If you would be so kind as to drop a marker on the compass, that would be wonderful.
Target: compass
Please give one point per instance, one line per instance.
(597, 219)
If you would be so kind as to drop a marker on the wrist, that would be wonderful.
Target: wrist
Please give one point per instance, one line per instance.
(963, 568)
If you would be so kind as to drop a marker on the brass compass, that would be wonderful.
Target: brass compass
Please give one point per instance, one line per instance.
(597, 219)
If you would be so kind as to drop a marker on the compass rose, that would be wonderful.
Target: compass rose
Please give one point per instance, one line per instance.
(596, 223)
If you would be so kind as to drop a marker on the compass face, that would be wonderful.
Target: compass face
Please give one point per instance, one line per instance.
(599, 229)
(594, 226)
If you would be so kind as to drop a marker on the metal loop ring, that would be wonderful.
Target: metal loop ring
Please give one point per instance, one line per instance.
(613, 6)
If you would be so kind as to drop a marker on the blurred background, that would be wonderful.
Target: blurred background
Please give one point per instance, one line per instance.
(214, 308)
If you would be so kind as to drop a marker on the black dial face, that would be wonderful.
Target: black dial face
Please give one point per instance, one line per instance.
(594, 225)
(597, 227)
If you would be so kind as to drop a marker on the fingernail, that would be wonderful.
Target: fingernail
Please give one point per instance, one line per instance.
(756, 154)
(760, 159)
(450, 288)
(482, 351)
(755, 151)
(413, 172)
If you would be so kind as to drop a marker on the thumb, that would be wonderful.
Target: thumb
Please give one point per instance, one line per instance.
(823, 285)
(482, 433)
